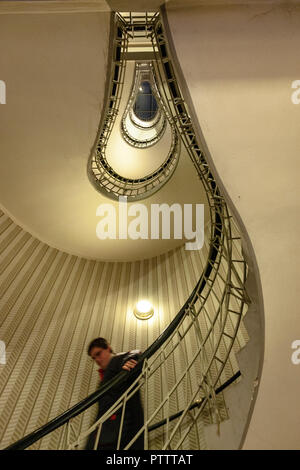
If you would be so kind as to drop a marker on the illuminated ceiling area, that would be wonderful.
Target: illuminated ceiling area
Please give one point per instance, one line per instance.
(56, 73)
(128, 159)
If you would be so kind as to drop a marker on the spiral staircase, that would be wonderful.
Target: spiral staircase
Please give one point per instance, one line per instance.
(196, 379)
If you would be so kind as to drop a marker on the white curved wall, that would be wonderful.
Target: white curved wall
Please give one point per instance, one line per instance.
(239, 73)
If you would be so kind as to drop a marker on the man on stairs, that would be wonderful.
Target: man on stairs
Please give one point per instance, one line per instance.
(110, 365)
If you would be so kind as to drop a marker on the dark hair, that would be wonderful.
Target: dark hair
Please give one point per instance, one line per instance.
(99, 343)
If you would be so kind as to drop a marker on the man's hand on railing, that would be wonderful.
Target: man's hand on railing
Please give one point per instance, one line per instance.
(129, 364)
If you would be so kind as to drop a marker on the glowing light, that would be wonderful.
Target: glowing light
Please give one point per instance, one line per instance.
(143, 306)
(143, 310)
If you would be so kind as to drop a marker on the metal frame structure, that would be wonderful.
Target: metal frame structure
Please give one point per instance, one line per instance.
(158, 125)
(103, 177)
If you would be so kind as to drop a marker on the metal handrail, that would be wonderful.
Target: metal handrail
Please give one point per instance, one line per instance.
(118, 380)
(159, 123)
(194, 405)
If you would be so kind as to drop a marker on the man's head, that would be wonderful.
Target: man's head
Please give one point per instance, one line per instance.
(100, 350)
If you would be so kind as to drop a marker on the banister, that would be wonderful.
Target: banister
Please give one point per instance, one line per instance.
(120, 378)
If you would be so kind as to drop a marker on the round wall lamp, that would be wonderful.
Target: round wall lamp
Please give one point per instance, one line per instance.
(143, 310)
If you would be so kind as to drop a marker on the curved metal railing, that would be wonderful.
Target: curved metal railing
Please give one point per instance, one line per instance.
(145, 124)
(103, 177)
(194, 355)
(150, 132)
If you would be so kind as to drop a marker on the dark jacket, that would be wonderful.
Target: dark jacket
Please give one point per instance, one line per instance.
(134, 416)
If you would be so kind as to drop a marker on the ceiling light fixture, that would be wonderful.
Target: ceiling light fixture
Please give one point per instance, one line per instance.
(143, 310)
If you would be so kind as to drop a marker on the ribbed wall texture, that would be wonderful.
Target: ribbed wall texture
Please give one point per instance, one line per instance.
(53, 304)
